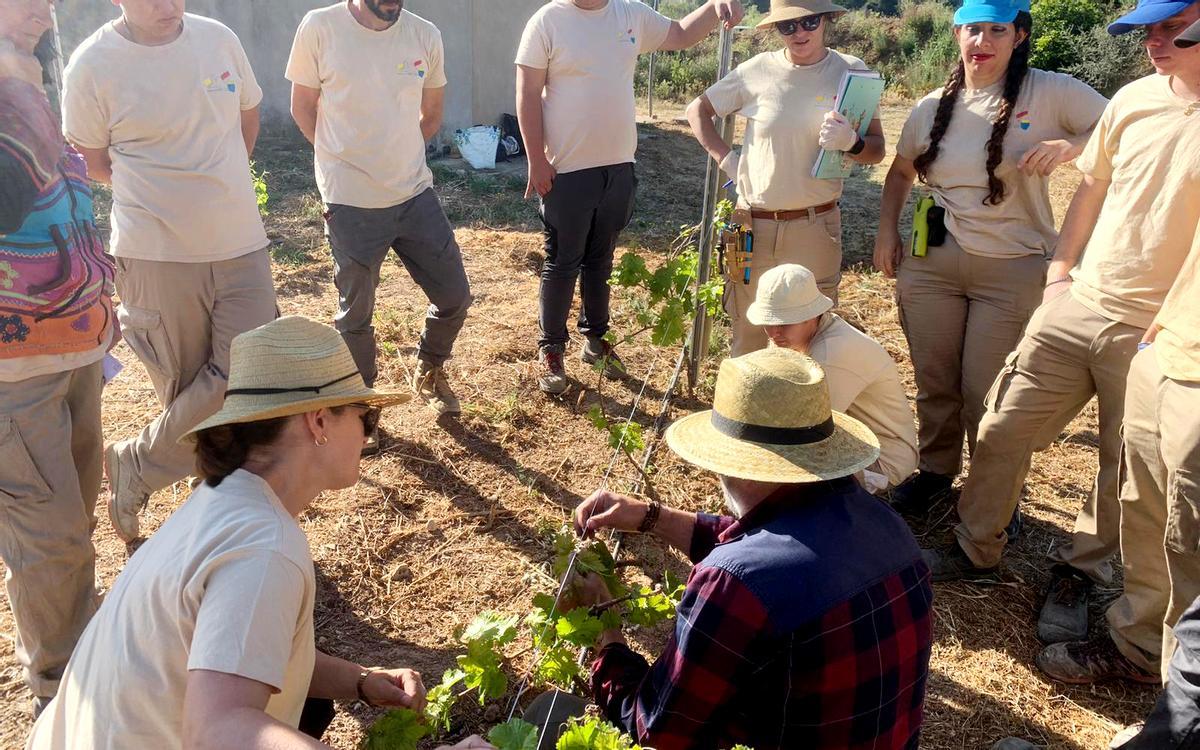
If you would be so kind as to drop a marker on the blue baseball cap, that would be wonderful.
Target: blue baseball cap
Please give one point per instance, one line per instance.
(1146, 13)
(989, 11)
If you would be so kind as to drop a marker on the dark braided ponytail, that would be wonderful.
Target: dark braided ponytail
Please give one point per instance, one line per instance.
(1018, 67)
(223, 449)
(941, 120)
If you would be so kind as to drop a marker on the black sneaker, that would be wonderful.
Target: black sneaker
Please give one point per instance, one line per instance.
(917, 494)
(1064, 615)
(1085, 662)
(950, 563)
(1015, 526)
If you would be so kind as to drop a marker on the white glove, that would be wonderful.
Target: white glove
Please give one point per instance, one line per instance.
(836, 133)
(729, 165)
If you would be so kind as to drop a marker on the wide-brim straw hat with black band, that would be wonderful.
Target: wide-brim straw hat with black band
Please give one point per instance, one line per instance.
(291, 366)
(787, 10)
(771, 422)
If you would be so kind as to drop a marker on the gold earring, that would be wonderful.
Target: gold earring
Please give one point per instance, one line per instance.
(321, 441)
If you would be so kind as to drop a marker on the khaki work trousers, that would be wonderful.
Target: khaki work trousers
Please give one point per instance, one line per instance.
(1160, 513)
(814, 242)
(51, 448)
(962, 314)
(180, 319)
(1068, 355)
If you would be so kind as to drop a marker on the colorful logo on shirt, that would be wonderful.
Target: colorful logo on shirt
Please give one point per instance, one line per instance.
(627, 36)
(414, 68)
(223, 82)
(1023, 120)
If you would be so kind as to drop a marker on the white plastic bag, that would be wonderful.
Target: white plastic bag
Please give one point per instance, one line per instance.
(478, 145)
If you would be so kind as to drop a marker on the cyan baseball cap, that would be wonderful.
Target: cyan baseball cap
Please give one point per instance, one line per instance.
(1146, 13)
(989, 11)
(1190, 36)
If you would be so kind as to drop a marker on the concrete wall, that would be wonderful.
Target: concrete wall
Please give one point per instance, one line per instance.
(480, 37)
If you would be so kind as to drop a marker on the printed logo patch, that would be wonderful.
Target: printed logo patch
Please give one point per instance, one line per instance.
(223, 82)
(627, 37)
(1023, 120)
(415, 68)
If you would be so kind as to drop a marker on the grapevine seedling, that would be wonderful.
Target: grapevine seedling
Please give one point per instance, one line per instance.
(398, 729)
(514, 734)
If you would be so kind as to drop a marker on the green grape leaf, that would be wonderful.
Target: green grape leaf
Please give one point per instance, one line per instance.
(491, 627)
(398, 729)
(740, 747)
(649, 608)
(578, 627)
(626, 436)
(558, 666)
(630, 271)
(671, 326)
(514, 734)
(482, 672)
(594, 734)
(440, 699)
(596, 416)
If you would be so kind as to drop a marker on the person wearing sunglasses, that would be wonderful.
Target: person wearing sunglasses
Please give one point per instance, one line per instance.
(984, 145)
(787, 99)
(206, 639)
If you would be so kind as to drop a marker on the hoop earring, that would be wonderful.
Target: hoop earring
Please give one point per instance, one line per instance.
(321, 441)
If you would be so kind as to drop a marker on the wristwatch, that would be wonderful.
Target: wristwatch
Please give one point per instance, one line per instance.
(362, 679)
(858, 146)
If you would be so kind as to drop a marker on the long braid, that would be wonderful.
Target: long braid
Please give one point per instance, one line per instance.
(941, 120)
(1018, 67)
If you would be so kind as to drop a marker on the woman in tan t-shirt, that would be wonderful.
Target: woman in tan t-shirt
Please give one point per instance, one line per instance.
(984, 145)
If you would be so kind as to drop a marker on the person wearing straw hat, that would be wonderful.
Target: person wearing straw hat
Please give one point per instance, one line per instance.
(56, 324)
(787, 98)
(806, 622)
(862, 377)
(206, 638)
(1123, 244)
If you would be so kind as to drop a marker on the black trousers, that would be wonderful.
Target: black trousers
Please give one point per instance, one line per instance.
(316, 717)
(583, 214)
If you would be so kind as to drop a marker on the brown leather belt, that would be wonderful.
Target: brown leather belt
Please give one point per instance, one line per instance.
(798, 213)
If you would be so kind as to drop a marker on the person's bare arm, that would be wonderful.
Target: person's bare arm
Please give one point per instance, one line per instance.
(700, 114)
(305, 101)
(530, 84)
(250, 128)
(608, 510)
(433, 105)
(99, 163)
(221, 711)
(1076, 231)
(896, 187)
(338, 679)
(873, 145)
(688, 31)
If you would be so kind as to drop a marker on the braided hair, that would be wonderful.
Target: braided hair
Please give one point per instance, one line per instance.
(1018, 68)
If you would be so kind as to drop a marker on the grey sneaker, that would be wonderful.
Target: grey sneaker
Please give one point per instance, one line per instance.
(597, 350)
(1084, 662)
(553, 376)
(950, 563)
(431, 385)
(127, 496)
(1064, 615)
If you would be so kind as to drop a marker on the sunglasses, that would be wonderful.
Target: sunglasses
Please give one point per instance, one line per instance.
(370, 417)
(808, 23)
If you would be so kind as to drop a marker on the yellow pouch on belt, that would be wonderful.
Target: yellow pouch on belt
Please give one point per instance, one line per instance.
(920, 227)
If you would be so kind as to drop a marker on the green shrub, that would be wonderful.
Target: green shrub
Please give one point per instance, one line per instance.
(1057, 27)
(1107, 63)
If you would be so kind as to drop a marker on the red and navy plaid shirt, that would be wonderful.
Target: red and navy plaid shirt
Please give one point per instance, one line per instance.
(806, 624)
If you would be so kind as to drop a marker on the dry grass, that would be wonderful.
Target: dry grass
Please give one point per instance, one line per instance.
(452, 517)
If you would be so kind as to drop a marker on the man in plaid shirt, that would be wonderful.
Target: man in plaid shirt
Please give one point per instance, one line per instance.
(806, 621)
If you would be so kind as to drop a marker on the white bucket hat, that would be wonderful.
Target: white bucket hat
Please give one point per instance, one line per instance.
(787, 294)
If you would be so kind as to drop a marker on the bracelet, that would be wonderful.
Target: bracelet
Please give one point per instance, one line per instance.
(651, 518)
(362, 679)
(1058, 281)
(858, 146)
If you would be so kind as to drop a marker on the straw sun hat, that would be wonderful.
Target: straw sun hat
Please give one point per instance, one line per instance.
(786, 10)
(771, 422)
(787, 294)
(290, 366)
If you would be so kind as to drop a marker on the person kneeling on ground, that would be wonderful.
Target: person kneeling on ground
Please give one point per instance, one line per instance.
(862, 378)
(206, 639)
(806, 622)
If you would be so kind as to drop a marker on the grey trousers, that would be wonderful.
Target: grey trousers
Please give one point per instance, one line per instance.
(420, 234)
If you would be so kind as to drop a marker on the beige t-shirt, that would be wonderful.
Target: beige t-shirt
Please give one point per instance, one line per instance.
(1177, 345)
(225, 585)
(864, 383)
(1050, 106)
(589, 56)
(784, 105)
(1149, 149)
(369, 151)
(170, 117)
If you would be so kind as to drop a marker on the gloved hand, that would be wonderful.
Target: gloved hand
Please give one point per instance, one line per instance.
(836, 133)
(729, 165)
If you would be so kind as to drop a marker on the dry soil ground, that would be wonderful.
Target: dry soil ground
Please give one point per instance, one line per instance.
(452, 518)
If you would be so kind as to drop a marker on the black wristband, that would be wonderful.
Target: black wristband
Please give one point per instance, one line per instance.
(858, 147)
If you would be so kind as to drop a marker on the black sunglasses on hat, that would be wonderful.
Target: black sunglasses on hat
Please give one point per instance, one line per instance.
(808, 23)
(370, 417)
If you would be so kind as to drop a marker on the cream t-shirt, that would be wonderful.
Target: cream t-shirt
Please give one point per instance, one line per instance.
(369, 151)
(225, 585)
(1177, 346)
(589, 56)
(1148, 148)
(170, 117)
(784, 105)
(864, 383)
(1051, 106)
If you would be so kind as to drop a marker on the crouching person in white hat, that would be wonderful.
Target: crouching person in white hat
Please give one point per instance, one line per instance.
(206, 639)
(862, 378)
(806, 622)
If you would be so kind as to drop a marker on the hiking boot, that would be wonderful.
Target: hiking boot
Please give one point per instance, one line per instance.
(1084, 662)
(1064, 615)
(597, 350)
(431, 385)
(1015, 526)
(1126, 735)
(553, 376)
(127, 496)
(917, 494)
(1014, 743)
(952, 564)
